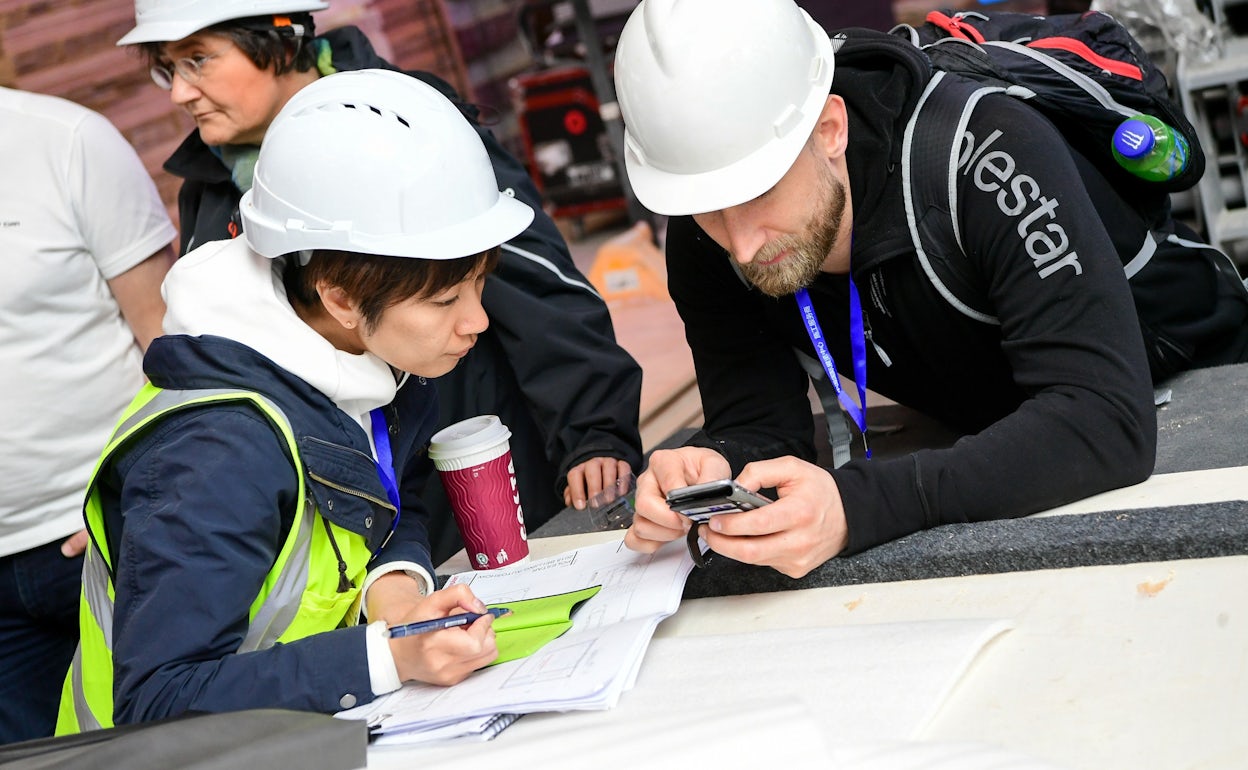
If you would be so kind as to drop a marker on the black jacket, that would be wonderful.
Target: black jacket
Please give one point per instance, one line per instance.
(1055, 403)
(549, 364)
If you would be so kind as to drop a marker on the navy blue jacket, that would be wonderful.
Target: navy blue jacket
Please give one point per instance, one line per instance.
(196, 511)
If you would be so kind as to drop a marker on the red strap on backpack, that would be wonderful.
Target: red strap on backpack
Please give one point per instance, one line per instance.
(955, 26)
(958, 27)
(1080, 49)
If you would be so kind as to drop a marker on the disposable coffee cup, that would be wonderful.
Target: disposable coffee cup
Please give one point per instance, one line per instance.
(473, 458)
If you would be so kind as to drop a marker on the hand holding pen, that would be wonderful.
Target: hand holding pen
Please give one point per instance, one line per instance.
(443, 659)
(437, 624)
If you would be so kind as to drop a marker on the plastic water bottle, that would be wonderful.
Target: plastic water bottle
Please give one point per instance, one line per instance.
(1150, 149)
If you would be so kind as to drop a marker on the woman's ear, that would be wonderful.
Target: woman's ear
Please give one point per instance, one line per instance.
(831, 133)
(338, 304)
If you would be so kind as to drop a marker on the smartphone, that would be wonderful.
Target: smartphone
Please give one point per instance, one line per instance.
(702, 501)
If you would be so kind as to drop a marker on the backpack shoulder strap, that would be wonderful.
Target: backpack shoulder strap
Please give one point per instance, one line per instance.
(930, 147)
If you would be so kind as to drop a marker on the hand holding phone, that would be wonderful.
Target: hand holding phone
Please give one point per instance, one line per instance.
(702, 501)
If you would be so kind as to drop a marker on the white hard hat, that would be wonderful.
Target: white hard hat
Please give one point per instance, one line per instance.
(718, 98)
(163, 21)
(376, 162)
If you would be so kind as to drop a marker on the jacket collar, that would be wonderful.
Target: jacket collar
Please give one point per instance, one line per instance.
(335, 450)
(183, 362)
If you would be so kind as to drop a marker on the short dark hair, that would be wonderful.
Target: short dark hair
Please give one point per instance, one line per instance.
(375, 282)
(267, 45)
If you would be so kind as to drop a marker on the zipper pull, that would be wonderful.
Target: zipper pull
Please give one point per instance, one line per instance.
(866, 331)
(879, 351)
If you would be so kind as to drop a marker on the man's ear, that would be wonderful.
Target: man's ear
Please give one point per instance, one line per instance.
(831, 133)
(340, 306)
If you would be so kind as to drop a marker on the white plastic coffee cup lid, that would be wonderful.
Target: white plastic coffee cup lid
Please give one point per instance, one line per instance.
(467, 436)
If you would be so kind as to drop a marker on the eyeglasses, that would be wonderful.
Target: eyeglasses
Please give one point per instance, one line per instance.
(190, 69)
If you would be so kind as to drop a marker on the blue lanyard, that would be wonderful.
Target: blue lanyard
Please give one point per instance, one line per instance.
(858, 346)
(385, 462)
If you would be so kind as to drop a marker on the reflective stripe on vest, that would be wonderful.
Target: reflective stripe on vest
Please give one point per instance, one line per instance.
(274, 615)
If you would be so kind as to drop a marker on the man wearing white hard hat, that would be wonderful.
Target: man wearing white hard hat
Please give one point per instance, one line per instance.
(778, 152)
(258, 497)
(549, 366)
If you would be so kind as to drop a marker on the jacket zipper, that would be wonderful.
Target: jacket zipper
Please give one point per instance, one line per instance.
(344, 583)
(354, 492)
(866, 331)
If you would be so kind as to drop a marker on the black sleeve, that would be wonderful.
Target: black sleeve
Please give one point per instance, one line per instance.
(754, 391)
(1068, 332)
(581, 387)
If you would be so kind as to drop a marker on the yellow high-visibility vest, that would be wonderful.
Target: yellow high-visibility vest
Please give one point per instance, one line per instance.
(299, 597)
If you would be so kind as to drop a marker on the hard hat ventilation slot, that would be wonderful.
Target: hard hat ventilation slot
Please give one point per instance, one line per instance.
(379, 112)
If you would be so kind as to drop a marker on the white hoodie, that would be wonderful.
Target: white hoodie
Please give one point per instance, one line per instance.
(225, 289)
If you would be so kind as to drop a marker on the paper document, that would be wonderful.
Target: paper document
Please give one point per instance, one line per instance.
(586, 668)
(474, 729)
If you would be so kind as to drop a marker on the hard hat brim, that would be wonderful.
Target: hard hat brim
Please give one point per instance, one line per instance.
(503, 221)
(170, 31)
(161, 32)
(672, 194)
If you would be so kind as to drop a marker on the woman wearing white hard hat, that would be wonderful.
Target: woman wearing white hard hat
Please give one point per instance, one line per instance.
(550, 366)
(257, 495)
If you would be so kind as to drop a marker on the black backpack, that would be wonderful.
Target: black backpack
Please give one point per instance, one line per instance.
(1086, 74)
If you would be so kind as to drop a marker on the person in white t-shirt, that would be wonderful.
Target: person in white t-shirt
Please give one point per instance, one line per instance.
(85, 244)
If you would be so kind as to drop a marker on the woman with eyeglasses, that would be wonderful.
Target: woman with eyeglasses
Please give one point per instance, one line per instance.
(258, 494)
(549, 367)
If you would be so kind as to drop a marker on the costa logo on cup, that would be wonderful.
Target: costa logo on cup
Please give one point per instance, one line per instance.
(473, 458)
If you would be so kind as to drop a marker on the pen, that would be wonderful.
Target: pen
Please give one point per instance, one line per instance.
(437, 624)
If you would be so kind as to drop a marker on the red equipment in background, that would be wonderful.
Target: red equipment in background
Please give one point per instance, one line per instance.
(565, 141)
(568, 147)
